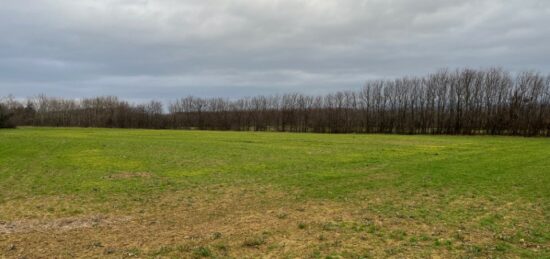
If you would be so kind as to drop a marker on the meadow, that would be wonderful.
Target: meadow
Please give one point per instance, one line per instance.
(75, 192)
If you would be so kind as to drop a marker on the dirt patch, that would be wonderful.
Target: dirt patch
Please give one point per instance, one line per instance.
(129, 175)
(62, 224)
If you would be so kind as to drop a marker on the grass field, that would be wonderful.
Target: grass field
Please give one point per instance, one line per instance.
(143, 193)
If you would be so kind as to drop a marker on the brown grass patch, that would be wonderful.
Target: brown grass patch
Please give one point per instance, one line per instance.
(129, 175)
(248, 222)
(58, 225)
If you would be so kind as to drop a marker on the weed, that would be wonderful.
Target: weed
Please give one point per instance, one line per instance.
(282, 215)
(133, 252)
(330, 226)
(202, 252)
(216, 235)
(162, 251)
(502, 247)
(398, 235)
(254, 241)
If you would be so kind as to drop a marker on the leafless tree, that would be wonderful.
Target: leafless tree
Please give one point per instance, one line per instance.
(466, 101)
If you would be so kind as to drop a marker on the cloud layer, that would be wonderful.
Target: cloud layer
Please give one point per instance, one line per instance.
(140, 49)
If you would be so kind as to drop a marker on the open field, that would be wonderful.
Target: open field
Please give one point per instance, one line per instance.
(144, 193)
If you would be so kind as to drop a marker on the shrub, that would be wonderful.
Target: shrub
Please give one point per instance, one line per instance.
(5, 116)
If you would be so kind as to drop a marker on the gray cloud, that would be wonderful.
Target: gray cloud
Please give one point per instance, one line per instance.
(167, 48)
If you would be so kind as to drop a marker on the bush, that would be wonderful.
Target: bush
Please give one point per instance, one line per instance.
(5, 116)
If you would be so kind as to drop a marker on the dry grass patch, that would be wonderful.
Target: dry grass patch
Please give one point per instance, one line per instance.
(129, 175)
(251, 222)
(59, 225)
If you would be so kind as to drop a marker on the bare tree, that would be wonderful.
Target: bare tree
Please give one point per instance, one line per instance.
(466, 101)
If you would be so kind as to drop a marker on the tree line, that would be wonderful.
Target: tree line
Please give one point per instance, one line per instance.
(466, 101)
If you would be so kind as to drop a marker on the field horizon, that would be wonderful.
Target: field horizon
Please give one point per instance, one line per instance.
(98, 192)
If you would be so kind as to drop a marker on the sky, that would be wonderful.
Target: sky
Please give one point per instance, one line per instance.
(166, 49)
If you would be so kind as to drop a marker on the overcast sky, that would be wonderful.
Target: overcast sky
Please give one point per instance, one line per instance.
(163, 49)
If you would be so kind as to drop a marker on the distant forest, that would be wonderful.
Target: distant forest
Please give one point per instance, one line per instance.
(466, 101)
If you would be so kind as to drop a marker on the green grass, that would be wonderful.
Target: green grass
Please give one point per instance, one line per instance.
(421, 177)
(43, 161)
